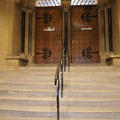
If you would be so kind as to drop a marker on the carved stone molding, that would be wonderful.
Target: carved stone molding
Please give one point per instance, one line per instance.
(66, 2)
(28, 3)
(104, 3)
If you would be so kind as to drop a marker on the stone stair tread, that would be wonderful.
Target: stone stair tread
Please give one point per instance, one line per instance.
(99, 95)
(28, 98)
(66, 81)
(74, 115)
(85, 87)
(65, 98)
(62, 109)
(28, 93)
(20, 118)
(53, 90)
(12, 102)
(51, 82)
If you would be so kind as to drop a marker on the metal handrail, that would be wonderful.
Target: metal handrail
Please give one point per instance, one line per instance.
(60, 66)
(57, 82)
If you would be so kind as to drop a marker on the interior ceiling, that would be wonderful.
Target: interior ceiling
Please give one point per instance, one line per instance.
(46, 3)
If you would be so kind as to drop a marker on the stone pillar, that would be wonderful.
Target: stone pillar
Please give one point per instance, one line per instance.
(30, 50)
(29, 9)
(33, 36)
(103, 31)
(116, 25)
(66, 9)
(106, 30)
(6, 18)
(10, 12)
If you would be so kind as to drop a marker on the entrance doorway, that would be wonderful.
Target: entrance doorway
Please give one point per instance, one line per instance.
(48, 34)
(84, 43)
(84, 34)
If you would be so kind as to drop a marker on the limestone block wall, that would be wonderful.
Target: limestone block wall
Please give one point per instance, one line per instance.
(9, 29)
(104, 35)
(115, 5)
(16, 31)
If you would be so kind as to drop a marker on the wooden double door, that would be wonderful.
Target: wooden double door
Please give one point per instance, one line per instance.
(84, 43)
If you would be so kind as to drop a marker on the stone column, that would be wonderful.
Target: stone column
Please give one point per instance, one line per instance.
(29, 8)
(66, 9)
(31, 53)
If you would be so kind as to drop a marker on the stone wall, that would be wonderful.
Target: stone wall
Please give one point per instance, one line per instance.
(9, 29)
(116, 25)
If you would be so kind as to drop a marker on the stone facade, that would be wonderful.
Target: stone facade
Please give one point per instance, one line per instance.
(10, 32)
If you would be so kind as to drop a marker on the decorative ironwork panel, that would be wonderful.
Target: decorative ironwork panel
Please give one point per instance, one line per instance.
(46, 53)
(47, 18)
(88, 52)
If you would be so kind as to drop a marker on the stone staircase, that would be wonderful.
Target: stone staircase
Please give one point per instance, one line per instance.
(91, 92)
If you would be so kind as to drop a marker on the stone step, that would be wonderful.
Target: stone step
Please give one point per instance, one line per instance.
(28, 93)
(28, 98)
(82, 80)
(20, 118)
(27, 82)
(66, 115)
(92, 87)
(92, 74)
(27, 86)
(37, 68)
(31, 89)
(14, 94)
(51, 82)
(6, 102)
(62, 109)
(71, 99)
(90, 66)
(54, 90)
(28, 74)
(93, 68)
(95, 95)
(26, 78)
(70, 88)
(67, 80)
(50, 119)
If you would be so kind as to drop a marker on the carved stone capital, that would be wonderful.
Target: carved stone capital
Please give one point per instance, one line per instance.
(28, 4)
(66, 8)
